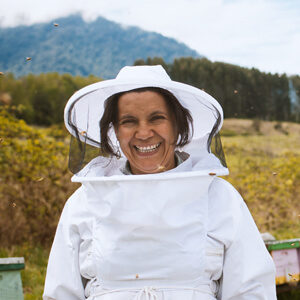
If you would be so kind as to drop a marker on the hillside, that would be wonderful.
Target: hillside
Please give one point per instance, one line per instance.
(246, 127)
(71, 45)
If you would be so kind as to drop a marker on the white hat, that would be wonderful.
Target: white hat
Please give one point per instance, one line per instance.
(85, 108)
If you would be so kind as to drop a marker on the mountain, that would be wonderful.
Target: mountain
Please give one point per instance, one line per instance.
(71, 45)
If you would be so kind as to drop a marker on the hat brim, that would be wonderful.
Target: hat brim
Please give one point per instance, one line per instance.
(86, 106)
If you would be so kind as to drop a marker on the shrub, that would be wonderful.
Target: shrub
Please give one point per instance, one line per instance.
(35, 182)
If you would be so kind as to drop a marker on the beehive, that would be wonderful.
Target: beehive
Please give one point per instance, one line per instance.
(286, 256)
(10, 278)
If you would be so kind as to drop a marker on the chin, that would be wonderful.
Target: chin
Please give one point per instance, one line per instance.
(149, 169)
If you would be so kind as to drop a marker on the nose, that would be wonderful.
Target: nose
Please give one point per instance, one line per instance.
(144, 132)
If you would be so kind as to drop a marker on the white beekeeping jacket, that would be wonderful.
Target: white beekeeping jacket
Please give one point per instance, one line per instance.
(181, 234)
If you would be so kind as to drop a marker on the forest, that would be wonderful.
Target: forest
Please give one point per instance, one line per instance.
(242, 92)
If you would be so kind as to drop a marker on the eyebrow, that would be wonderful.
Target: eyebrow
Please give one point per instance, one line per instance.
(127, 116)
(156, 112)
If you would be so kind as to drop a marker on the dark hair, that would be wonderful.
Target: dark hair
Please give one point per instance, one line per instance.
(181, 116)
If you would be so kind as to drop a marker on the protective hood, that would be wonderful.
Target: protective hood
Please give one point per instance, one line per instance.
(85, 108)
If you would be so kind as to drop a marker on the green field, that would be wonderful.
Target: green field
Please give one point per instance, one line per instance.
(264, 166)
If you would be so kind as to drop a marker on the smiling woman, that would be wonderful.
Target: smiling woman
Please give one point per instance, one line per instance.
(149, 124)
(152, 220)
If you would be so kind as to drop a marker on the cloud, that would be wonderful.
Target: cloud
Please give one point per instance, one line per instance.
(259, 33)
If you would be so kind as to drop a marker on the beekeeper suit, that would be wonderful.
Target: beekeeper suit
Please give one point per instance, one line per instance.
(180, 234)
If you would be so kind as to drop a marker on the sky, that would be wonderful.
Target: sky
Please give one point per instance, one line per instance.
(263, 34)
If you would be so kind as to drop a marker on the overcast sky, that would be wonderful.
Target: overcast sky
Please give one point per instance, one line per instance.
(253, 33)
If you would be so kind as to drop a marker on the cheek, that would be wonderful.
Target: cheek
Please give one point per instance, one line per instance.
(124, 136)
(168, 133)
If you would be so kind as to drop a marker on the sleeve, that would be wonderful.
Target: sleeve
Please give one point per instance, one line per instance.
(63, 280)
(248, 269)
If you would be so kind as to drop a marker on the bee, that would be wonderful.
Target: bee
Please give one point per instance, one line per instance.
(235, 91)
(28, 58)
(1, 73)
(55, 25)
(212, 174)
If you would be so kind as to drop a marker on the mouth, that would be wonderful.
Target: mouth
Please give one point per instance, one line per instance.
(147, 149)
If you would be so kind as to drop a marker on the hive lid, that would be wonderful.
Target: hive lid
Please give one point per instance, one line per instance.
(283, 244)
(12, 263)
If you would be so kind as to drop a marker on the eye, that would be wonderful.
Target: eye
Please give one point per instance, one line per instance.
(157, 117)
(127, 121)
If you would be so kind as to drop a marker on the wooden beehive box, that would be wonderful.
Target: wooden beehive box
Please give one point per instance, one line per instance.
(10, 278)
(286, 256)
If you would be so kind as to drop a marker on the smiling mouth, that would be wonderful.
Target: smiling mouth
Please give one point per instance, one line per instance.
(147, 149)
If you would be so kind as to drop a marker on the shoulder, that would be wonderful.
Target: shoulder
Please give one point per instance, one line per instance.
(222, 193)
(75, 208)
(220, 184)
(225, 210)
(75, 200)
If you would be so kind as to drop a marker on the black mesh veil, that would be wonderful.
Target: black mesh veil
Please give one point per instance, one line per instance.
(81, 152)
(217, 149)
(214, 144)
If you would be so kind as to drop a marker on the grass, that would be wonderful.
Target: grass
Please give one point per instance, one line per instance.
(266, 171)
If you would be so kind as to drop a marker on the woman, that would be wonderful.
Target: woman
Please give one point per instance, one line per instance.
(152, 220)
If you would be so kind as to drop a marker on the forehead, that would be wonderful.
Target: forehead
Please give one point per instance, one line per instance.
(141, 102)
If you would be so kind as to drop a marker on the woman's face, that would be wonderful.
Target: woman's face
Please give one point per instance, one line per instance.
(146, 132)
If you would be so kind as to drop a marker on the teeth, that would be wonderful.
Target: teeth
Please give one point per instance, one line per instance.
(148, 148)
